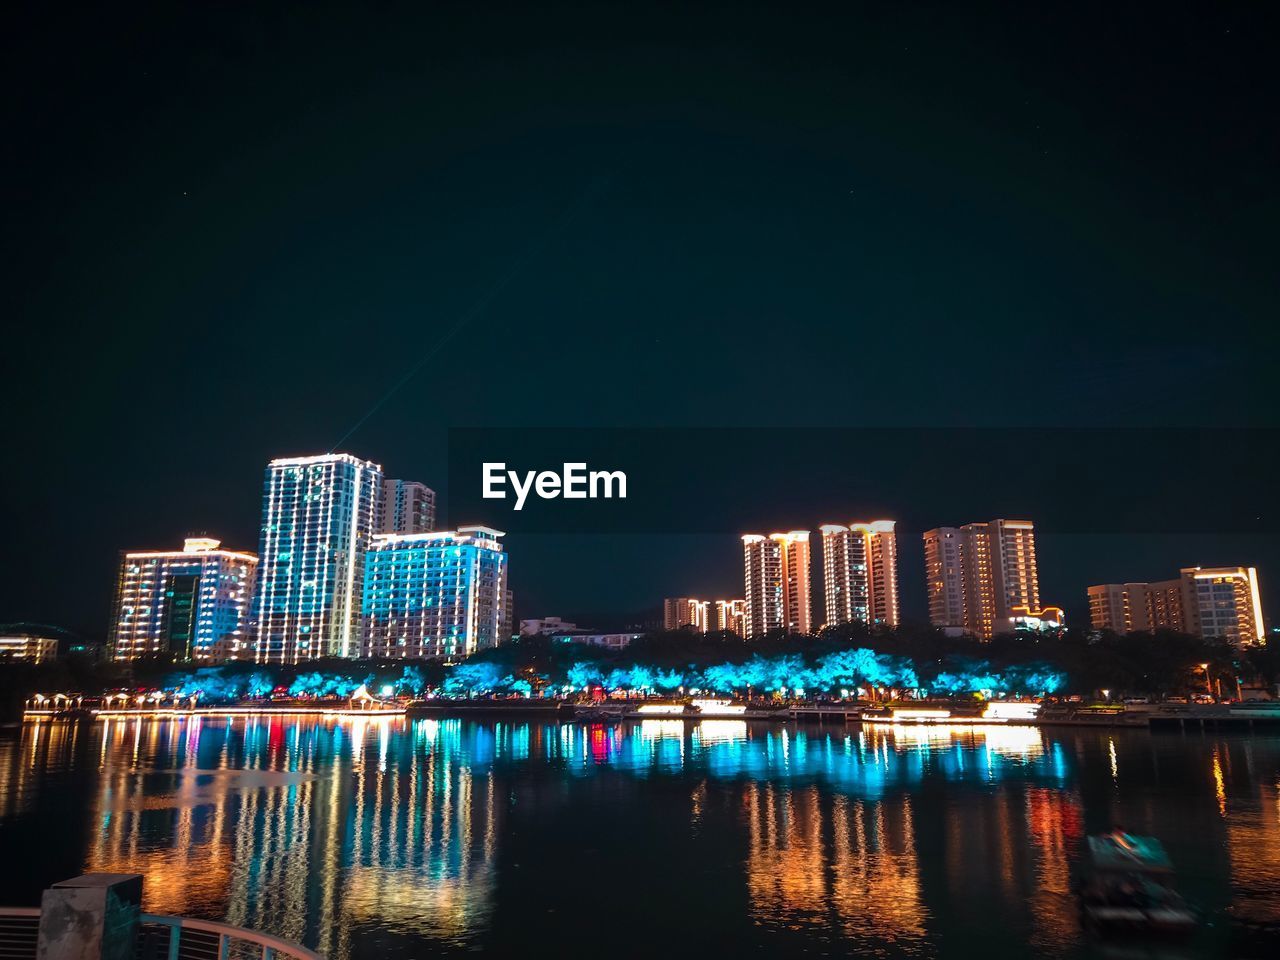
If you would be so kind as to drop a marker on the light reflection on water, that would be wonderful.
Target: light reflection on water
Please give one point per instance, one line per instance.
(363, 836)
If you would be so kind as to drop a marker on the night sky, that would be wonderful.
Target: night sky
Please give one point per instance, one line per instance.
(231, 229)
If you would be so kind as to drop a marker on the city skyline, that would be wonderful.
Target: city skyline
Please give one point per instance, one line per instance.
(981, 578)
(807, 470)
(763, 214)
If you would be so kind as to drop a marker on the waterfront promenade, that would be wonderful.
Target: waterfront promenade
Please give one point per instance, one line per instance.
(1155, 716)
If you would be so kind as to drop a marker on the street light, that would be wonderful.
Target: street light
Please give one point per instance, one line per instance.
(1208, 686)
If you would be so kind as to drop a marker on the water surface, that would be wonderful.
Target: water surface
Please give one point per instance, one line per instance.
(398, 839)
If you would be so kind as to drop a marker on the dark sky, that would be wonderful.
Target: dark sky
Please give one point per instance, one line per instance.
(231, 228)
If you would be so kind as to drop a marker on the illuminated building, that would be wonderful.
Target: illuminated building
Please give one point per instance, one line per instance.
(704, 616)
(943, 577)
(1209, 602)
(434, 595)
(1225, 603)
(729, 616)
(28, 647)
(191, 603)
(860, 573)
(610, 641)
(776, 575)
(318, 515)
(547, 627)
(506, 625)
(1024, 619)
(992, 566)
(1116, 606)
(680, 612)
(1133, 607)
(405, 506)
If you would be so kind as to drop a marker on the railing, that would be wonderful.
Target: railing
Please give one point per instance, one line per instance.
(19, 928)
(162, 938)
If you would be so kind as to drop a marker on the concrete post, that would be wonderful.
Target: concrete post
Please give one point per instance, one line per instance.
(91, 917)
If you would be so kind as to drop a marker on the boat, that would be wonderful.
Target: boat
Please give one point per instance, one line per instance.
(1128, 889)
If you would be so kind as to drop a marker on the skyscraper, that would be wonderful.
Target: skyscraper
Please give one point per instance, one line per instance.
(191, 603)
(997, 573)
(1209, 602)
(435, 595)
(318, 516)
(406, 506)
(860, 573)
(776, 577)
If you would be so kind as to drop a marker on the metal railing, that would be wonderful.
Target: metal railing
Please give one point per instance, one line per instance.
(19, 928)
(162, 938)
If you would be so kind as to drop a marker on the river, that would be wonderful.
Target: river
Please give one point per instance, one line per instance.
(396, 838)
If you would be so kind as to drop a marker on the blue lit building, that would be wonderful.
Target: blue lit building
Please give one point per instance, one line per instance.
(435, 595)
(318, 517)
(192, 604)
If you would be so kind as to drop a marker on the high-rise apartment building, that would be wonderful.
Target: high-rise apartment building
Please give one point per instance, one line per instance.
(1121, 607)
(992, 567)
(704, 616)
(1209, 602)
(776, 575)
(435, 595)
(729, 616)
(1227, 603)
(192, 603)
(318, 517)
(860, 573)
(944, 577)
(681, 612)
(406, 506)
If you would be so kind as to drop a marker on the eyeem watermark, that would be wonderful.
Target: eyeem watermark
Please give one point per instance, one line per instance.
(574, 482)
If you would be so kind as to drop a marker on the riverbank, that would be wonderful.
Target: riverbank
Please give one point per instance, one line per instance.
(1139, 716)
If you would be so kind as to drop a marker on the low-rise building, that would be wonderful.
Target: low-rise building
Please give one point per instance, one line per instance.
(547, 627)
(610, 641)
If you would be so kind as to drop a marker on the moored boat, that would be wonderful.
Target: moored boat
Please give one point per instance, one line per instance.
(1128, 889)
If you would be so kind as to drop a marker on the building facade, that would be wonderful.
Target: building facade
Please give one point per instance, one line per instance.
(776, 581)
(681, 612)
(319, 515)
(704, 616)
(609, 641)
(28, 648)
(192, 604)
(944, 577)
(1136, 607)
(548, 627)
(860, 573)
(1208, 602)
(406, 506)
(1226, 603)
(991, 566)
(439, 595)
(729, 616)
